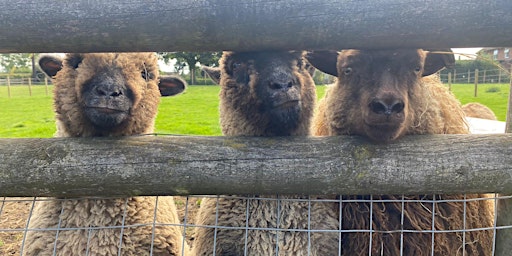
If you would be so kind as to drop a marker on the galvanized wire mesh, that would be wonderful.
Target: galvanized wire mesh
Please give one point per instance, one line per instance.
(16, 214)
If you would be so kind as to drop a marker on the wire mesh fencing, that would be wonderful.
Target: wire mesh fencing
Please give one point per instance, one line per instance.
(251, 225)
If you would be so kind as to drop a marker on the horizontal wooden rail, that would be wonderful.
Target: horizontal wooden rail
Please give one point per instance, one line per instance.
(179, 165)
(213, 25)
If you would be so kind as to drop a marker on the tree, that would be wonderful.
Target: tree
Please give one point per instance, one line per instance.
(192, 58)
(15, 61)
(482, 62)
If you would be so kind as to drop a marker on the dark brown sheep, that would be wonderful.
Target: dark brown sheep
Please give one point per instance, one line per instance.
(106, 94)
(384, 95)
(265, 94)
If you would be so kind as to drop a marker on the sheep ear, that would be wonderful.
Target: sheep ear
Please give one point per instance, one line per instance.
(438, 59)
(50, 65)
(171, 85)
(213, 73)
(324, 61)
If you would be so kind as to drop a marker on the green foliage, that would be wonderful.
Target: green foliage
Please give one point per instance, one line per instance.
(493, 89)
(323, 78)
(191, 59)
(15, 62)
(482, 62)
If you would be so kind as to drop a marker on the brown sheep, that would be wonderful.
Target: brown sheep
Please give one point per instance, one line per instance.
(478, 110)
(106, 94)
(384, 95)
(264, 94)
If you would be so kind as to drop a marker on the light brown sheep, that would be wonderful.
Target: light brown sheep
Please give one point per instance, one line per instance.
(106, 94)
(265, 94)
(478, 110)
(384, 95)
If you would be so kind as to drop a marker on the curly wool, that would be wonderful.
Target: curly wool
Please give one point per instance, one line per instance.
(432, 110)
(478, 110)
(68, 104)
(241, 116)
(105, 226)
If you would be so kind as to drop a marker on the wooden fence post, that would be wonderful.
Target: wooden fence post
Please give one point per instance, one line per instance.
(469, 76)
(454, 76)
(29, 86)
(46, 85)
(450, 81)
(9, 86)
(476, 82)
(504, 207)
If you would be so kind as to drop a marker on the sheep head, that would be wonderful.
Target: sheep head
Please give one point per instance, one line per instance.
(264, 93)
(372, 95)
(107, 94)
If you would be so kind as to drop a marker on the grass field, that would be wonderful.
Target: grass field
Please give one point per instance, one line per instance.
(194, 112)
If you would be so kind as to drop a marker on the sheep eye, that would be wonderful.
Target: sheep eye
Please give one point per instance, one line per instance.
(236, 65)
(300, 64)
(347, 71)
(146, 75)
(75, 60)
(417, 69)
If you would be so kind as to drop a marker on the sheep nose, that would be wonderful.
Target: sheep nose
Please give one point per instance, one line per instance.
(109, 90)
(275, 85)
(382, 108)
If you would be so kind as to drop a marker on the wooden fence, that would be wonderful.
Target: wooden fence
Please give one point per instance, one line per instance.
(212, 25)
(205, 165)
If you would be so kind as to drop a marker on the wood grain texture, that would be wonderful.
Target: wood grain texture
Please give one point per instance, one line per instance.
(175, 165)
(202, 25)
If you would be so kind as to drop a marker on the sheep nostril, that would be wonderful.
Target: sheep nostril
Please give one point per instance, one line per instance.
(279, 85)
(108, 91)
(397, 107)
(380, 107)
(116, 93)
(101, 91)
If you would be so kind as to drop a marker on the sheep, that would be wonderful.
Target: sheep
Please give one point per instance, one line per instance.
(264, 94)
(478, 110)
(384, 95)
(106, 94)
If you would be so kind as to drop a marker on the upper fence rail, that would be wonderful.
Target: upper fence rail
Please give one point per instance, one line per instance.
(245, 25)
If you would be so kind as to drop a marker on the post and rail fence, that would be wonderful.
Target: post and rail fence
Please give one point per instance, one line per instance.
(168, 165)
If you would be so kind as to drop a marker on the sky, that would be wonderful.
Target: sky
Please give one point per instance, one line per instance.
(464, 51)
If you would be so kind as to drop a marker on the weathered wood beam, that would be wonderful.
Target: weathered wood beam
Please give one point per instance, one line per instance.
(161, 165)
(213, 25)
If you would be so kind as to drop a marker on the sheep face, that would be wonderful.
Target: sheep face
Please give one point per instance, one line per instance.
(263, 93)
(372, 95)
(100, 94)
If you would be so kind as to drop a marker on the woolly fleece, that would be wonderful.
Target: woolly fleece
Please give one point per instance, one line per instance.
(139, 73)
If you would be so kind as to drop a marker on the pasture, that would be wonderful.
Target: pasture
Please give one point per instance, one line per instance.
(194, 112)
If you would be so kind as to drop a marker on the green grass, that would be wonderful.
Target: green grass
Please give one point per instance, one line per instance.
(194, 112)
(494, 96)
(23, 115)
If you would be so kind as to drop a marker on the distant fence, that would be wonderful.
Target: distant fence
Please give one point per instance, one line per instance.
(497, 76)
(27, 82)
